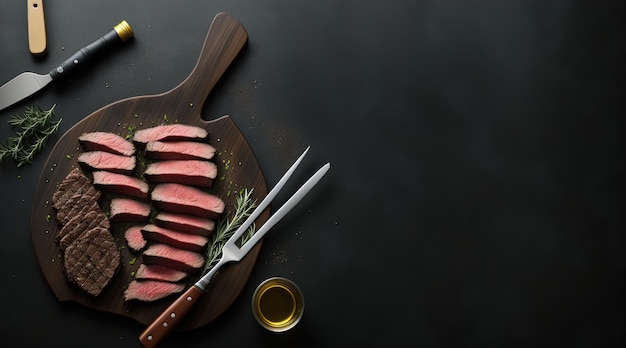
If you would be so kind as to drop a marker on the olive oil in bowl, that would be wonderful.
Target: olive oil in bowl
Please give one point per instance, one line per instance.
(277, 304)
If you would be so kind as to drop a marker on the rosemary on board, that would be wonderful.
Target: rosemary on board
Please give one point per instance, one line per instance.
(227, 225)
(32, 131)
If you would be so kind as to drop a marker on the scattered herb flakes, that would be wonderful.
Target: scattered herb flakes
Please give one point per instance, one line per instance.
(132, 261)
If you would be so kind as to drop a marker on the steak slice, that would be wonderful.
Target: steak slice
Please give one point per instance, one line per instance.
(67, 188)
(121, 184)
(109, 142)
(128, 210)
(161, 273)
(187, 172)
(179, 150)
(82, 201)
(91, 260)
(177, 198)
(180, 240)
(151, 290)
(79, 224)
(101, 160)
(75, 191)
(185, 223)
(134, 238)
(169, 132)
(179, 259)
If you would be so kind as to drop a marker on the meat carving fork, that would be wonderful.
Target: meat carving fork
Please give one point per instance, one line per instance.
(164, 323)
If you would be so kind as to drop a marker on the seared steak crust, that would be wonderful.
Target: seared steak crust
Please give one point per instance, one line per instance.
(74, 195)
(92, 260)
(90, 255)
(79, 224)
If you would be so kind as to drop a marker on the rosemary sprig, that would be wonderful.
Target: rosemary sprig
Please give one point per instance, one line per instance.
(227, 225)
(33, 129)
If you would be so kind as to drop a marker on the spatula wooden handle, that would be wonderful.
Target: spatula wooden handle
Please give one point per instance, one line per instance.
(36, 28)
(162, 325)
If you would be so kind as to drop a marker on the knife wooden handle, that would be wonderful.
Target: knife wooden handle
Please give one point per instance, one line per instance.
(171, 316)
(118, 34)
(36, 28)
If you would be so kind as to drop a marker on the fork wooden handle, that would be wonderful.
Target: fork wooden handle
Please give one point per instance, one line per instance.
(171, 316)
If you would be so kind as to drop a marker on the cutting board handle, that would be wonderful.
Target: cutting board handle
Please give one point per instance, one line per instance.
(225, 39)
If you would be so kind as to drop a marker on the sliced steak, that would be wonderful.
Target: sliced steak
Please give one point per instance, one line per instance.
(161, 273)
(128, 210)
(71, 184)
(170, 132)
(179, 150)
(185, 223)
(150, 290)
(181, 240)
(80, 224)
(74, 194)
(121, 184)
(91, 260)
(134, 238)
(165, 255)
(109, 142)
(101, 160)
(187, 172)
(78, 205)
(177, 198)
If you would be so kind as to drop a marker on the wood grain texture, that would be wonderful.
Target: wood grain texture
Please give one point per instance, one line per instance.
(182, 104)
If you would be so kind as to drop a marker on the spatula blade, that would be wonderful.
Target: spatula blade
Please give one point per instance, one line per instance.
(22, 86)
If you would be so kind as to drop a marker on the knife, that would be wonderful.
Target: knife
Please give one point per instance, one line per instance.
(27, 83)
(173, 314)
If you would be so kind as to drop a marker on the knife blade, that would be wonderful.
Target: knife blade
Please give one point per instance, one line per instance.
(28, 83)
(231, 252)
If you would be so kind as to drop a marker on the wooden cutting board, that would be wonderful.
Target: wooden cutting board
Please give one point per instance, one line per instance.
(236, 164)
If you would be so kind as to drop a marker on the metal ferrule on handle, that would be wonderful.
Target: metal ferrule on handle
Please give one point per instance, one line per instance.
(118, 34)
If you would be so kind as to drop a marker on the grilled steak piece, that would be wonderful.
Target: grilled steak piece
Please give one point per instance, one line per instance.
(158, 272)
(73, 182)
(101, 160)
(91, 260)
(180, 240)
(179, 259)
(170, 132)
(150, 290)
(121, 184)
(134, 238)
(74, 194)
(79, 224)
(128, 210)
(177, 198)
(185, 223)
(187, 172)
(179, 150)
(109, 142)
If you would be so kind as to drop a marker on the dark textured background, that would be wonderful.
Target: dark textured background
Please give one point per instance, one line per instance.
(476, 196)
